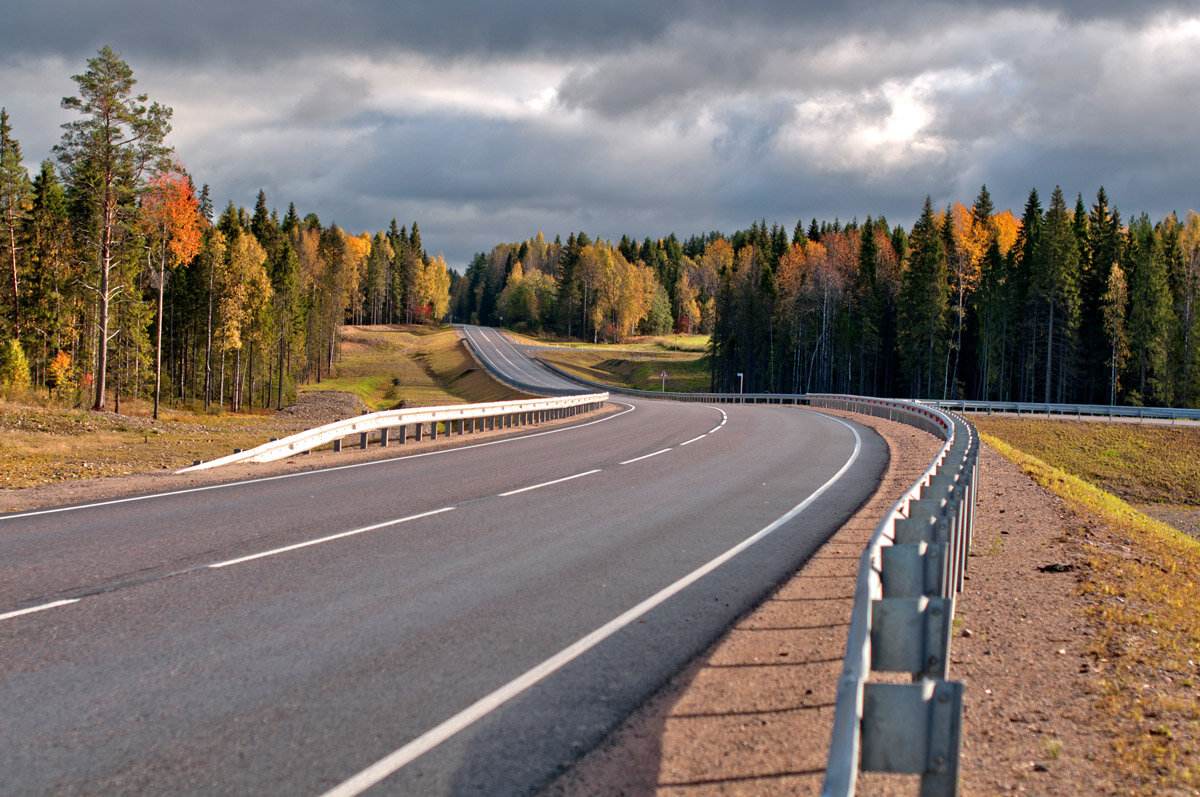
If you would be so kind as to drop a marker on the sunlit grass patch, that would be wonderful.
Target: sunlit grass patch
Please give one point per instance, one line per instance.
(686, 373)
(1142, 463)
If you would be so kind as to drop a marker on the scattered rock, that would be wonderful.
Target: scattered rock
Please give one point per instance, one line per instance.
(1057, 567)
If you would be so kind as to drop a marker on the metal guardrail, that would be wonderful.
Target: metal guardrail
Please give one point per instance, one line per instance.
(501, 414)
(1078, 410)
(908, 579)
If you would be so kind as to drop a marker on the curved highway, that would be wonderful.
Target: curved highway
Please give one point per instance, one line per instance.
(504, 359)
(462, 622)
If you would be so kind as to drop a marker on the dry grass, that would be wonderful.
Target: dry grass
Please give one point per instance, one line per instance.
(1144, 601)
(383, 366)
(40, 445)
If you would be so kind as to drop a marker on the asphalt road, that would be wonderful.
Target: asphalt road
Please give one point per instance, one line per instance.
(465, 622)
(505, 359)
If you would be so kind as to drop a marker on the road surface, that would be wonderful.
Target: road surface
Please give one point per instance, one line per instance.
(463, 622)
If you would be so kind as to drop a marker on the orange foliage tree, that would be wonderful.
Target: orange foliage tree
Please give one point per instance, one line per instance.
(170, 220)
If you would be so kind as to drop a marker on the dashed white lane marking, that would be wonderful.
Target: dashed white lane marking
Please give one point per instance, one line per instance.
(329, 538)
(644, 456)
(398, 759)
(41, 608)
(547, 484)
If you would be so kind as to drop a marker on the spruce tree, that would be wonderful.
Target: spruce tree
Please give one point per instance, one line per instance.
(1056, 285)
(1149, 310)
(923, 304)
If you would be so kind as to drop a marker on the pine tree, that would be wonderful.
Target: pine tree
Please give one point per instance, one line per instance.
(105, 155)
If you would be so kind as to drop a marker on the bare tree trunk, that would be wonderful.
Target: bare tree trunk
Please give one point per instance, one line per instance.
(1049, 349)
(105, 265)
(162, 271)
(12, 247)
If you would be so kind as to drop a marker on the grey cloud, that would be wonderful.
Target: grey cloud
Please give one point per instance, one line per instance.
(332, 98)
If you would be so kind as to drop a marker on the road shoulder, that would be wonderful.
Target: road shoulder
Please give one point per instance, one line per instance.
(753, 714)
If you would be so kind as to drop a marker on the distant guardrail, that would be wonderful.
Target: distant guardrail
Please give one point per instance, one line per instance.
(908, 579)
(1078, 410)
(496, 413)
(707, 398)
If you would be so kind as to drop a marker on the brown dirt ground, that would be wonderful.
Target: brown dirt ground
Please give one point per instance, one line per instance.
(753, 715)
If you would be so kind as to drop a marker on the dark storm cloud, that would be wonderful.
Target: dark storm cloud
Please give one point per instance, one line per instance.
(491, 121)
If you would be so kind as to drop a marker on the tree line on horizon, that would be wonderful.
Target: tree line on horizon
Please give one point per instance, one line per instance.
(121, 281)
(1060, 305)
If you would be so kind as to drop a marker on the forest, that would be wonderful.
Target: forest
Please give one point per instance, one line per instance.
(1064, 304)
(123, 281)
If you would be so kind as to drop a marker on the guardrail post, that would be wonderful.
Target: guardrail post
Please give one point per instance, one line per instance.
(383, 437)
(418, 432)
(912, 635)
(915, 729)
(337, 445)
(433, 425)
(362, 440)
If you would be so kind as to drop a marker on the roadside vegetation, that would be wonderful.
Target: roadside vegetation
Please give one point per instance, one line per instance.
(1139, 579)
(42, 441)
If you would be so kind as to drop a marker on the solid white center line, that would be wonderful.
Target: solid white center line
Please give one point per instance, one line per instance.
(645, 456)
(547, 484)
(329, 538)
(42, 608)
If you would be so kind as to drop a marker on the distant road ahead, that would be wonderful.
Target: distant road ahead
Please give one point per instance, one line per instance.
(457, 623)
(504, 358)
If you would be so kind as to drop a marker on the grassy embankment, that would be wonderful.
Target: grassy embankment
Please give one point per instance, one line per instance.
(384, 367)
(389, 367)
(639, 363)
(1140, 578)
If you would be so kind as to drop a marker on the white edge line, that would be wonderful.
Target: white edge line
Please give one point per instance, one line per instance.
(644, 456)
(260, 479)
(389, 764)
(42, 608)
(329, 538)
(547, 484)
(694, 439)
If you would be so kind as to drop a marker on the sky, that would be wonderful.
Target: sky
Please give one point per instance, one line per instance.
(488, 122)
